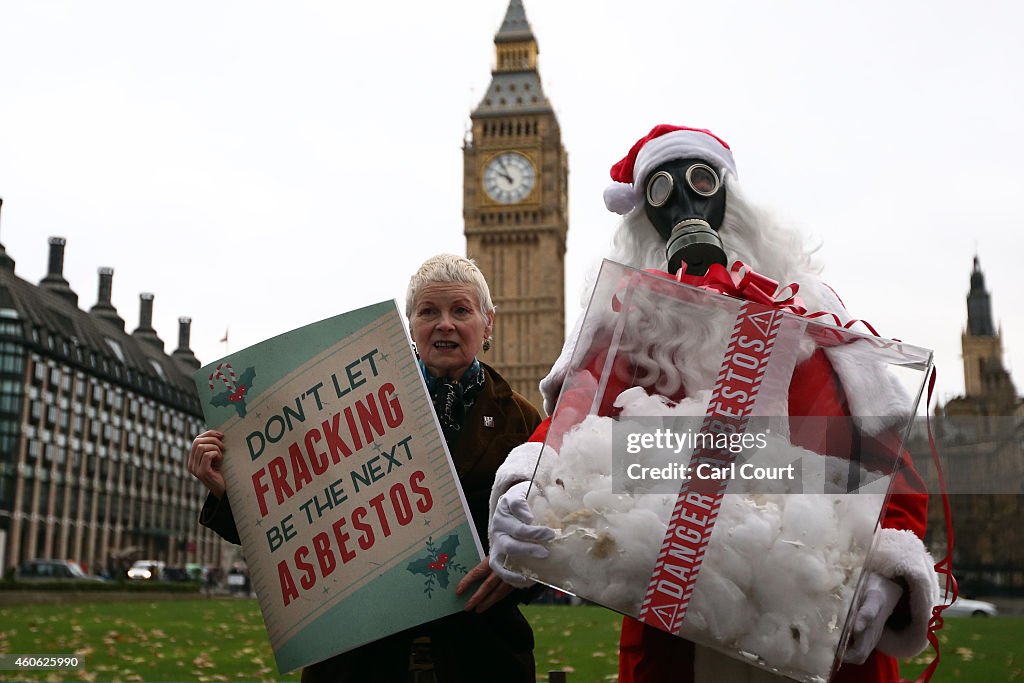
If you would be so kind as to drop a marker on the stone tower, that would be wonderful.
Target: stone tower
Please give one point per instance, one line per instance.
(515, 207)
(988, 388)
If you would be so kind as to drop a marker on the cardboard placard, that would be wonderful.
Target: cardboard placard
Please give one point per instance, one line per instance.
(349, 509)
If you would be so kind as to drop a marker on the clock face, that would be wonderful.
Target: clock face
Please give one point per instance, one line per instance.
(509, 178)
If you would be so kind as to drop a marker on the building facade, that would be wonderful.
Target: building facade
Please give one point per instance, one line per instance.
(980, 440)
(95, 428)
(516, 208)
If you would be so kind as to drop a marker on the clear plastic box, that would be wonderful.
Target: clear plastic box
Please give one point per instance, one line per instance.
(669, 512)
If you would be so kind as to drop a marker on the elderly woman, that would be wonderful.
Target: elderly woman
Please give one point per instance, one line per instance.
(451, 316)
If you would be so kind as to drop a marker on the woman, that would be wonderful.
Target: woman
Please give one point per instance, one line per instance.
(451, 317)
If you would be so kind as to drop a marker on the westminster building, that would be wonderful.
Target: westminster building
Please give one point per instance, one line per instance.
(95, 429)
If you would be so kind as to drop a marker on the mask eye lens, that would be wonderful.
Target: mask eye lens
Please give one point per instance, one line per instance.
(659, 187)
(702, 179)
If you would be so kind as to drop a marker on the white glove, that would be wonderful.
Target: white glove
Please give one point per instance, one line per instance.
(880, 598)
(513, 536)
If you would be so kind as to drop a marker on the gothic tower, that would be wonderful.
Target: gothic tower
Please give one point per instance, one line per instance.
(988, 388)
(515, 207)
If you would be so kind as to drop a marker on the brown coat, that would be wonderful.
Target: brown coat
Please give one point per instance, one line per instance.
(496, 646)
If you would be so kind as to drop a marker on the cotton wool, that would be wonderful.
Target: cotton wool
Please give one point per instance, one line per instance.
(780, 571)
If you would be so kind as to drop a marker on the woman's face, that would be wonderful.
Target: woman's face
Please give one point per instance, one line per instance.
(448, 327)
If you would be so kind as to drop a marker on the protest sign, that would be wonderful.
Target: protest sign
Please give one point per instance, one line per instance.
(350, 512)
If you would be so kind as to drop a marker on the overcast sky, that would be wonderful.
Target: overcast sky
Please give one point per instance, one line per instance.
(259, 166)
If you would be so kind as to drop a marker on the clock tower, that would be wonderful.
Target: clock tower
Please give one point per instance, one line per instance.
(515, 206)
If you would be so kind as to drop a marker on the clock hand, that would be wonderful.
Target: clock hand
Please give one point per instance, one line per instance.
(504, 168)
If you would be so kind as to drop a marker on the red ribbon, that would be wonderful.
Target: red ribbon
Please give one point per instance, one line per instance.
(742, 282)
(945, 565)
(739, 282)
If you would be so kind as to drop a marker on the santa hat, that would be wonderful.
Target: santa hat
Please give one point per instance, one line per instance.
(664, 143)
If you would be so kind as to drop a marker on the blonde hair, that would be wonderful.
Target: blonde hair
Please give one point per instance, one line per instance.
(449, 268)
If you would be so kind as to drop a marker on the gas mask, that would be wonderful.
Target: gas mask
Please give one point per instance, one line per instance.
(685, 201)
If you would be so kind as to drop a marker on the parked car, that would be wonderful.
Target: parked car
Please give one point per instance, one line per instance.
(48, 569)
(970, 608)
(176, 574)
(146, 569)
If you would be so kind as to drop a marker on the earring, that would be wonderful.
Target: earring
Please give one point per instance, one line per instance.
(487, 344)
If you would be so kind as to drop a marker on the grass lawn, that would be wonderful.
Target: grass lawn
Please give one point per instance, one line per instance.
(224, 640)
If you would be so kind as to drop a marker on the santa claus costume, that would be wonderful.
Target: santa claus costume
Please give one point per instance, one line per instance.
(829, 382)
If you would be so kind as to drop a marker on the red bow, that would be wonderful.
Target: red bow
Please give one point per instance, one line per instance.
(740, 282)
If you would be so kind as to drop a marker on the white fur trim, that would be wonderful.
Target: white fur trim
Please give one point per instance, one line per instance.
(681, 144)
(620, 198)
(898, 553)
(518, 466)
(877, 400)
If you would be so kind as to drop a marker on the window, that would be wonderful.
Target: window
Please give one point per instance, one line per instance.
(115, 346)
(159, 369)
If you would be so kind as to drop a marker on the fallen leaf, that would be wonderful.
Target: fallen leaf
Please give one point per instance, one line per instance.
(203, 661)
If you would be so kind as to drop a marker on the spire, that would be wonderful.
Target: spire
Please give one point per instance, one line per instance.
(515, 27)
(515, 83)
(979, 307)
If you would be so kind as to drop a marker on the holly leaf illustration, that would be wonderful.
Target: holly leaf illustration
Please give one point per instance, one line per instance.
(420, 566)
(437, 564)
(220, 400)
(247, 377)
(449, 545)
(442, 577)
(224, 399)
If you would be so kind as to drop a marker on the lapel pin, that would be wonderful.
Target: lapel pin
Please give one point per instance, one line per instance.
(488, 421)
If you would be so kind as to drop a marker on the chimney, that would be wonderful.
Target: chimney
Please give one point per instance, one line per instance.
(6, 262)
(145, 332)
(54, 280)
(104, 309)
(183, 354)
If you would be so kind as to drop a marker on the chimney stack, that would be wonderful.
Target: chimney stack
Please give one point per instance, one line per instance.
(104, 309)
(6, 262)
(54, 280)
(145, 332)
(145, 312)
(183, 353)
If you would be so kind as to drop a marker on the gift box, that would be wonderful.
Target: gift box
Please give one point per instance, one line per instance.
(718, 461)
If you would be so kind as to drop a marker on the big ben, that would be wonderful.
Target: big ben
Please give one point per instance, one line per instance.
(515, 207)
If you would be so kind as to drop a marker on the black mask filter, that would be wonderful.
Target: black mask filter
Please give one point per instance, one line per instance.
(685, 201)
